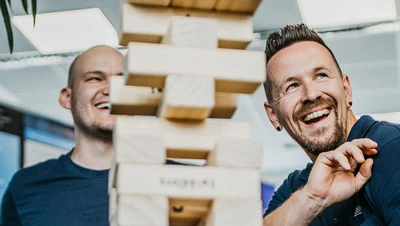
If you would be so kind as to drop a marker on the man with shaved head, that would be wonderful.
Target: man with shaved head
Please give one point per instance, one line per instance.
(72, 190)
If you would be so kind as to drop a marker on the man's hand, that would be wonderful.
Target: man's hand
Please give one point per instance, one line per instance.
(331, 180)
(332, 177)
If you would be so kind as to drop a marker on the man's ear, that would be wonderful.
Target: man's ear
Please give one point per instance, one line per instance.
(347, 88)
(272, 116)
(65, 98)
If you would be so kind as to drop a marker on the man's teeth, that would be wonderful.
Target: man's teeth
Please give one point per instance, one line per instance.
(316, 115)
(104, 106)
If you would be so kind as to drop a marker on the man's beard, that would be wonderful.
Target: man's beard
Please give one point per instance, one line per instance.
(316, 147)
(93, 130)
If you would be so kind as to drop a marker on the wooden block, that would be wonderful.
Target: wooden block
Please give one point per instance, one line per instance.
(150, 24)
(232, 27)
(235, 212)
(187, 97)
(189, 208)
(142, 210)
(132, 100)
(236, 152)
(151, 2)
(111, 175)
(136, 100)
(182, 139)
(247, 6)
(198, 4)
(192, 31)
(188, 153)
(176, 181)
(237, 71)
(135, 147)
(187, 212)
(225, 105)
(181, 212)
(114, 222)
(113, 209)
(184, 222)
(139, 147)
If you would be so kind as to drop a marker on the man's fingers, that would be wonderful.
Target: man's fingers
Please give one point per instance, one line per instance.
(342, 160)
(353, 152)
(349, 151)
(356, 149)
(364, 173)
(367, 145)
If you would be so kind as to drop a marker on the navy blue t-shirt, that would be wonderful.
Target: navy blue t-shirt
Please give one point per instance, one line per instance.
(57, 192)
(378, 202)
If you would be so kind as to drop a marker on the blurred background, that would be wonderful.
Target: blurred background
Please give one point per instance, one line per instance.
(363, 34)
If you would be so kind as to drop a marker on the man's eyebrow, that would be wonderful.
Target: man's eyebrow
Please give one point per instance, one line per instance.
(291, 78)
(101, 73)
(320, 68)
(98, 72)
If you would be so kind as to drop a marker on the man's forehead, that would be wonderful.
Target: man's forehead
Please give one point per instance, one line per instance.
(98, 58)
(300, 57)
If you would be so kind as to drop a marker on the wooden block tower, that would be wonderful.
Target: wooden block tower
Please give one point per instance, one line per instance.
(185, 65)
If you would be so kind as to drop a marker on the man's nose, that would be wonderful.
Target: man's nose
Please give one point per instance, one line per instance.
(106, 89)
(310, 92)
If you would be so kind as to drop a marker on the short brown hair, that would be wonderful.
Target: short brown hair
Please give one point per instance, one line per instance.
(288, 35)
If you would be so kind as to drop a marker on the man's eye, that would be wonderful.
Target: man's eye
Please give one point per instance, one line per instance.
(291, 87)
(93, 79)
(320, 76)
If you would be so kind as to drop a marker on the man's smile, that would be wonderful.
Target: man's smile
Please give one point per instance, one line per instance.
(316, 116)
(105, 105)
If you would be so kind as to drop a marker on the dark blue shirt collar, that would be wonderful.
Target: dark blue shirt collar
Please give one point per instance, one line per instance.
(361, 127)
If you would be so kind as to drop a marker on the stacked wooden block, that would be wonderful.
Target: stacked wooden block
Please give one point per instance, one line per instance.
(185, 64)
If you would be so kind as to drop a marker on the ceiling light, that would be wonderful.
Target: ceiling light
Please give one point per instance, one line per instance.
(344, 13)
(67, 31)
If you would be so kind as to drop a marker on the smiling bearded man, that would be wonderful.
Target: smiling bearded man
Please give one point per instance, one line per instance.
(310, 97)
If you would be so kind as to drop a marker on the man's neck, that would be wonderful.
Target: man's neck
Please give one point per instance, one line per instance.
(351, 120)
(91, 153)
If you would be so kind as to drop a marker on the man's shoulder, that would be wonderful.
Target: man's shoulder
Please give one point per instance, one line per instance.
(387, 135)
(382, 189)
(31, 173)
(382, 132)
(392, 129)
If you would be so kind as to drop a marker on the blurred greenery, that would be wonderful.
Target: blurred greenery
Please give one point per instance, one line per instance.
(6, 8)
